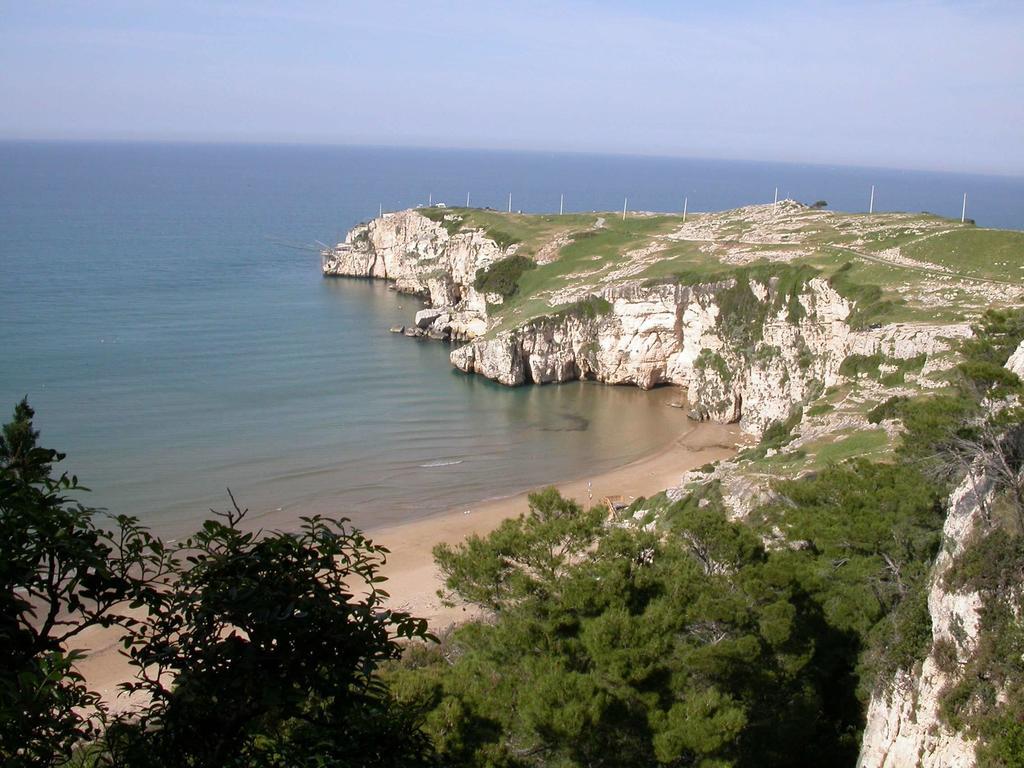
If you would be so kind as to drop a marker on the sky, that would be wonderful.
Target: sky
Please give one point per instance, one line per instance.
(924, 84)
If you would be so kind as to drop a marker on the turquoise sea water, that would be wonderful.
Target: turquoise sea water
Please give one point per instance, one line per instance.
(174, 344)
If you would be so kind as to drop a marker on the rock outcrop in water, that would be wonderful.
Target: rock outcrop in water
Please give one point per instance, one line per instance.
(745, 353)
(422, 258)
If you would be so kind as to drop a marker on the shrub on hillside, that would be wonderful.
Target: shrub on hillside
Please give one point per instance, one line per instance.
(502, 277)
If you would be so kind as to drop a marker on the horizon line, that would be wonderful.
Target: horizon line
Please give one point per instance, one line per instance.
(510, 150)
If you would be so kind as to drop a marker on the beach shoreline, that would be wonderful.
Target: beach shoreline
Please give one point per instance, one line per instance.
(412, 578)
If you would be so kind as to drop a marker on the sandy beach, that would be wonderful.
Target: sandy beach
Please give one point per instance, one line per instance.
(413, 580)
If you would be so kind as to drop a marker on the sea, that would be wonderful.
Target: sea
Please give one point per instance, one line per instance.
(162, 307)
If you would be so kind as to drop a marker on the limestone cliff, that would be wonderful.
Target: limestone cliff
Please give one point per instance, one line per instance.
(744, 353)
(904, 727)
(751, 312)
(676, 334)
(422, 258)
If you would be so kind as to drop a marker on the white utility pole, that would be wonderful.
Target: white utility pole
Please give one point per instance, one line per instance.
(776, 203)
(963, 212)
(510, 202)
(430, 199)
(467, 199)
(380, 210)
(685, 201)
(624, 201)
(871, 205)
(561, 203)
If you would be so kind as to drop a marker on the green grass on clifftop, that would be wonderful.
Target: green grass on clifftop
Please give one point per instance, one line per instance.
(988, 253)
(530, 232)
(893, 267)
(586, 257)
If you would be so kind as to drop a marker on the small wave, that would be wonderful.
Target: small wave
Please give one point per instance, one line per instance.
(442, 463)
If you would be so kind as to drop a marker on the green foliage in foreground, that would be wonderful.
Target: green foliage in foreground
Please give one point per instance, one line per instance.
(252, 648)
(263, 651)
(986, 697)
(60, 575)
(687, 646)
(871, 533)
(977, 432)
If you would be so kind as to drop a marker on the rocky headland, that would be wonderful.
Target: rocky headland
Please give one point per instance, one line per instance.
(802, 325)
(751, 328)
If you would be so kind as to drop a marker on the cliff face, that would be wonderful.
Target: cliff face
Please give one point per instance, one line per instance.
(421, 257)
(672, 334)
(904, 727)
(747, 359)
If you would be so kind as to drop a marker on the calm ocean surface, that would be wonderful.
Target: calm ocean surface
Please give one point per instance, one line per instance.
(173, 344)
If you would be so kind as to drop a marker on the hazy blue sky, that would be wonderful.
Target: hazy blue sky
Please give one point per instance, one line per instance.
(916, 84)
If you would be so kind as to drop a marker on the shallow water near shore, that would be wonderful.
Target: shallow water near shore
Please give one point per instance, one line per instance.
(175, 342)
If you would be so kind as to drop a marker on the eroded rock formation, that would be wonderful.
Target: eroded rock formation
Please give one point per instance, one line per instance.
(422, 258)
(748, 359)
